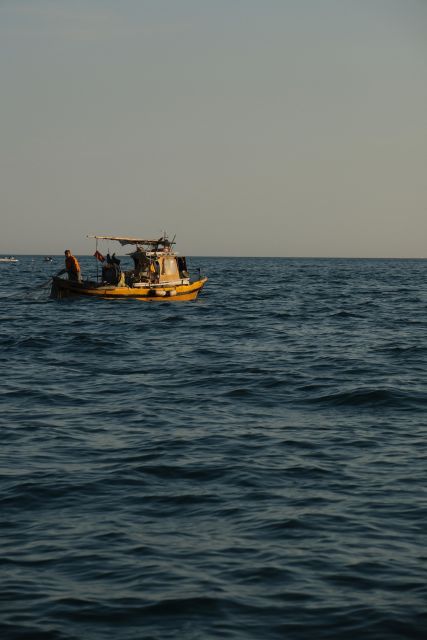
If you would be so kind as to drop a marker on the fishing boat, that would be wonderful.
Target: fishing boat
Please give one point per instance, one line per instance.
(9, 259)
(158, 273)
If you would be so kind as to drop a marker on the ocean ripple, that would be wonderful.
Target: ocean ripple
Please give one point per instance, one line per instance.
(248, 466)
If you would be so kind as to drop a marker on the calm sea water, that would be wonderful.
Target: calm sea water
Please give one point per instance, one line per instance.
(248, 466)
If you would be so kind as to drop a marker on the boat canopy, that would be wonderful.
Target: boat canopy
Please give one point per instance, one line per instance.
(136, 241)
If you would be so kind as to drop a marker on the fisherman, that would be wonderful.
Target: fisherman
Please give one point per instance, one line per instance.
(111, 271)
(72, 267)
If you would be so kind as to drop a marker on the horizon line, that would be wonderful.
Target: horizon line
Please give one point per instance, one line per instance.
(260, 257)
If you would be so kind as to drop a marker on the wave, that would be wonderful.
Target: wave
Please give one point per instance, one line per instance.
(373, 397)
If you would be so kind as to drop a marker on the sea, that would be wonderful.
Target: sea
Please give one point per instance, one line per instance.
(248, 466)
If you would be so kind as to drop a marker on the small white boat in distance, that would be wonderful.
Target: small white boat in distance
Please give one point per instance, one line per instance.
(9, 259)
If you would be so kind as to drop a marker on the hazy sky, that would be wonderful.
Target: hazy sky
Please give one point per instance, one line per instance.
(246, 127)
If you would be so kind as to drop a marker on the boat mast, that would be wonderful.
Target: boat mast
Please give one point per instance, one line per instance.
(97, 261)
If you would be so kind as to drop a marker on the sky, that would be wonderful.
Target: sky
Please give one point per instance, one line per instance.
(245, 127)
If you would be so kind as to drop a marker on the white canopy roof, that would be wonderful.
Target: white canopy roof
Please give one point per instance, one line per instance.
(137, 241)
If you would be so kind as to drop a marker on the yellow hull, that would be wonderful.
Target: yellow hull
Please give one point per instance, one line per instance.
(159, 293)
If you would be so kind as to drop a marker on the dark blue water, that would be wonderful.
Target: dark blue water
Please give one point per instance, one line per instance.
(248, 466)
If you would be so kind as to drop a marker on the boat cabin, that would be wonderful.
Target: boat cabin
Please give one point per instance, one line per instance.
(155, 263)
(159, 267)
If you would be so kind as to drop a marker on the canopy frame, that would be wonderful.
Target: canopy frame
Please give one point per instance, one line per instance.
(135, 241)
